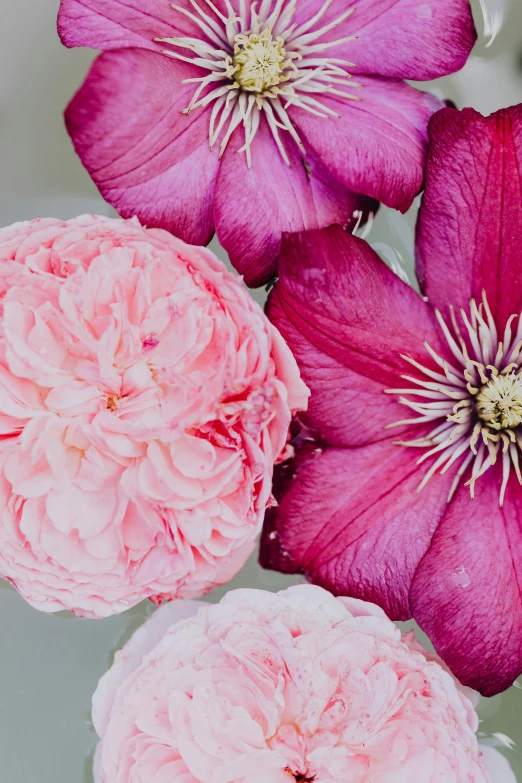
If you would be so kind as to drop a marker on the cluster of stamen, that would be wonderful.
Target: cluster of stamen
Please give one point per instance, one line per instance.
(475, 404)
(499, 402)
(113, 402)
(300, 777)
(258, 62)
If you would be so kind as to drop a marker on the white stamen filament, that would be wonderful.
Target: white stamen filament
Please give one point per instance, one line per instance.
(479, 400)
(260, 54)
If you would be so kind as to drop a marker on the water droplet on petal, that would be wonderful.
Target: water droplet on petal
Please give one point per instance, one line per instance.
(461, 577)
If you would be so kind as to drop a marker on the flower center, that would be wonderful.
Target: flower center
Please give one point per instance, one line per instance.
(258, 62)
(474, 403)
(499, 402)
(113, 402)
(300, 777)
(255, 62)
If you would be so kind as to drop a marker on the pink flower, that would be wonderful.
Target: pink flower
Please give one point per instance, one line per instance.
(181, 89)
(405, 388)
(144, 398)
(278, 688)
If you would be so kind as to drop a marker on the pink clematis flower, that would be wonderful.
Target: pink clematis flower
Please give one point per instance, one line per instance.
(181, 89)
(366, 513)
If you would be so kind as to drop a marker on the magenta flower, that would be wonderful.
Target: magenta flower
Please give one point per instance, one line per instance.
(404, 389)
(181, 89)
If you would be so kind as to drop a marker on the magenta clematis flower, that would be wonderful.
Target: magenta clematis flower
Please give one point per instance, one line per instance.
(246, 119)
(406, 486)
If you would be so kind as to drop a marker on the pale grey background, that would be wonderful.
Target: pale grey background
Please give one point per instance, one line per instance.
(49, 665)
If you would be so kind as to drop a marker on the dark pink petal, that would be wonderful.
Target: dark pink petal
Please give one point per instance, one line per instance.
(411, 39)
(406, 39)
(378, 144)
(338, 294)
(126, 120)
(180, 200)
(352, 521)
(345, 409)
(466, 593)
(255, 206)
(128, 129)
(470, 225)
(113, 24)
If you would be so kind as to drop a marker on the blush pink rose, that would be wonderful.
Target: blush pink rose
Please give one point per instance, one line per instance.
(144, 398)
(278, 688)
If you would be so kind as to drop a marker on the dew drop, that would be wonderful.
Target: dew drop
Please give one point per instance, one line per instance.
(424, 12)
(461, 577)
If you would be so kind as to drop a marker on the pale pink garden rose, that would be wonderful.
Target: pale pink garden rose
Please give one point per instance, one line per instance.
(144, 398)
(277, 688)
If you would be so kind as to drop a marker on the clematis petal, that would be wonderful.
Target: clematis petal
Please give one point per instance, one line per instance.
(180, 199)
(255, 206)
(466, 593)
(114, 24)
(406, 39)
(377, 146)
(352, 522)
(345, 409)
(121, 144)
(468, 235)
(340, 296)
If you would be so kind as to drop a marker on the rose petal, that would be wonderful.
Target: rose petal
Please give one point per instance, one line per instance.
(130, 657)
(263, 685)
(497, 765)
(147, 397)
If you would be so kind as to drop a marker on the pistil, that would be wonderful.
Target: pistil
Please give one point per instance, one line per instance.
(475, 402)
(258, 62)
(113, 402)
(499, 402)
